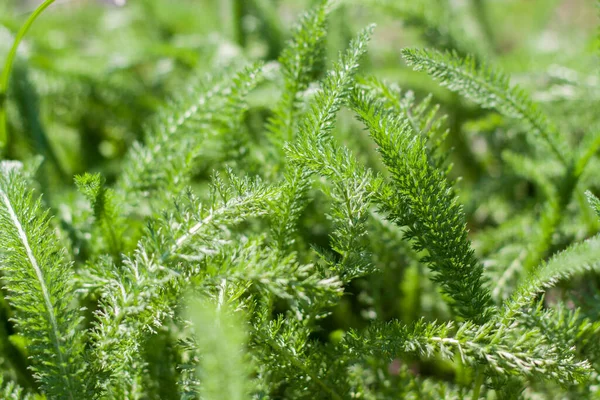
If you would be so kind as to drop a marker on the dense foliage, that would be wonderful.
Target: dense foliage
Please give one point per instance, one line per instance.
(336, 211)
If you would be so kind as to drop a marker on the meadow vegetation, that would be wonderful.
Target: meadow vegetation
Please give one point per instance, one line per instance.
(390, 199)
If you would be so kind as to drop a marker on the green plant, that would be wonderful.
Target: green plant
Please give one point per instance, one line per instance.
(298, 229)
(4, 78)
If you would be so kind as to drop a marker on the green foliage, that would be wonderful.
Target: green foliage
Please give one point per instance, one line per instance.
(575, 259)
(522, 353)
(298, 63)
(219, 339)
(487, 87)
(420, 198)
(11, 391)
(40, 286)
(304, 218)
(215, 109)
(433, 20)
(316, 151)
(106, 214)
(594, 202)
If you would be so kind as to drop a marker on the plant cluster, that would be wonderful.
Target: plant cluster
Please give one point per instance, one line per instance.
(312, 241)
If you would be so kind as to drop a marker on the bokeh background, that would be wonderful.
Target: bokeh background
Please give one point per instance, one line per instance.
(94, 71)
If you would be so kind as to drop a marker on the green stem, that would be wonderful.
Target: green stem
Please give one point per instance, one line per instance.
(4, 78)
(481, 14)
(587, 154)
(478, 383)
(232, 13)
(267, 12)
(550, 220)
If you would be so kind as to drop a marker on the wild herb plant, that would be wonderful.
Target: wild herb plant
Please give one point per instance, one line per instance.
(298, 228)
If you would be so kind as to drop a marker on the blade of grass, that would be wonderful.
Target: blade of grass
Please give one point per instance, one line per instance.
(4, 78)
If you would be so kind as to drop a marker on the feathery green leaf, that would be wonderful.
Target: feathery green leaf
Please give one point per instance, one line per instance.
(40, 286)
(490, 88)
(420, 198)
(579, 257)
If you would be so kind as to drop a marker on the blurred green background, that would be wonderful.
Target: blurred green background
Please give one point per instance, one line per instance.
(90, 74)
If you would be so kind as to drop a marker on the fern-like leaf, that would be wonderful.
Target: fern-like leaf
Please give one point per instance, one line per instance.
(316, 151)
(420, 198)
(40, 286)
(594, 202)
(138, 297)
(12, 391)
(490, 88)
(524, 353)
(106, 215)
(298, 61)
(206, 114)
(578, 258)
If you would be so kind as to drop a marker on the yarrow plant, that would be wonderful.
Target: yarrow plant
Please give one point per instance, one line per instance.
(264, 251)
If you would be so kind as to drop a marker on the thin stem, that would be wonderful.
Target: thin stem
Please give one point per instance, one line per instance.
(479, 377)
(4, 78)
(588, 153)
(232, 12)
(267, 12)
(551, 219)
(481, 14)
